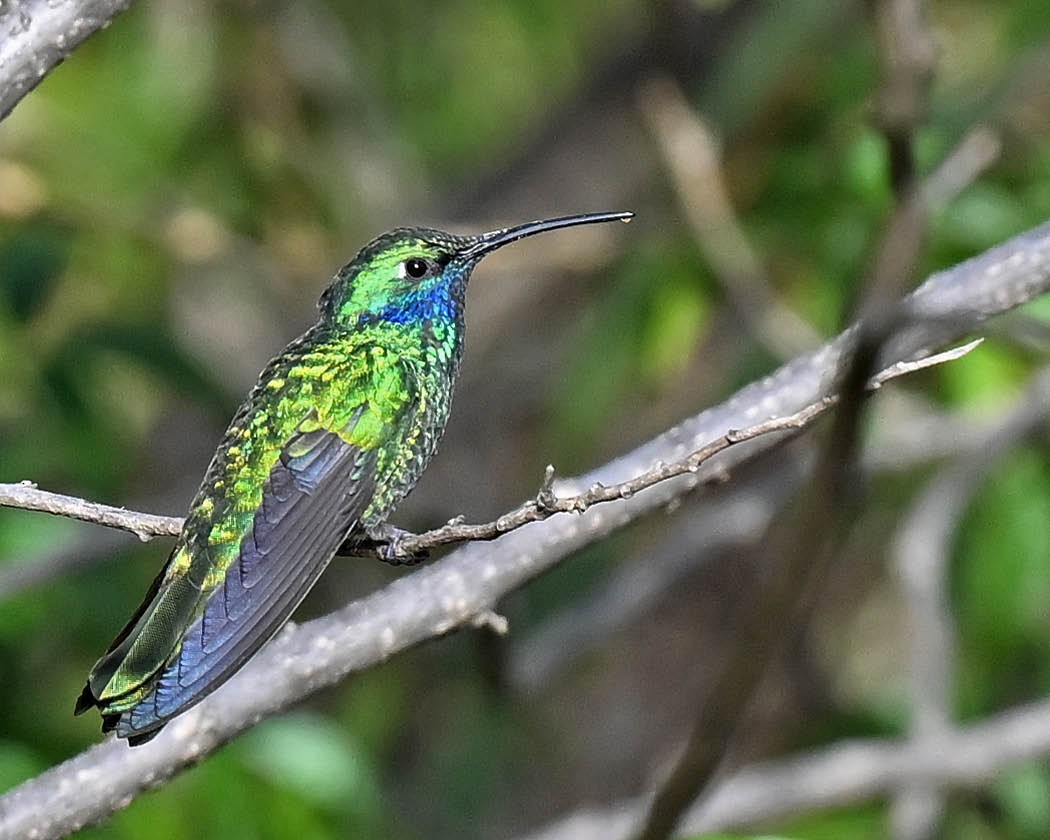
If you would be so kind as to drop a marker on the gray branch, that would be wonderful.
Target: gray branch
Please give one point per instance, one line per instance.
(38, 35)
(472, 579)
(27, 496)
(922, 550)
(846, 773)
(732, 518)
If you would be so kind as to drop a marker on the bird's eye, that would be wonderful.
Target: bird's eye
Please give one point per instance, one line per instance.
(417, 268)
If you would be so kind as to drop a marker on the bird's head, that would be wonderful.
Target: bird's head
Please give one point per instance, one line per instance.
(411, 275)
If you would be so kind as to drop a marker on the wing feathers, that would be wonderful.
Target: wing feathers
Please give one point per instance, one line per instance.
(314, 495)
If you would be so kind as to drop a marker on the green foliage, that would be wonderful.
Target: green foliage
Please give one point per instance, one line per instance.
(203, 148)
(861, 823)
(744, 837)
(1002, 585)
(318, 761)
(636, 341)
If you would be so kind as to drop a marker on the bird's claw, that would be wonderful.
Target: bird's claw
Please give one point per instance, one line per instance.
(386, 541)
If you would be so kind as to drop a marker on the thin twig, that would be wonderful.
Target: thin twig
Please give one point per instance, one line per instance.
(547, 504)
(732, 519)
(27, 496)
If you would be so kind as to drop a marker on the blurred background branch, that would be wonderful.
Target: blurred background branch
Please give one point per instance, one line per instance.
(922, 550)
(692, 158)
(847, 773)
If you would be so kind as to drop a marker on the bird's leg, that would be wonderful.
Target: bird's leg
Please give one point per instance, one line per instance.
(384, 540)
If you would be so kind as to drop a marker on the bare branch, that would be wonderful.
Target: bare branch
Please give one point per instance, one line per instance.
(912, 365)
(922, 550)
(845, 774)
(440, 597)
(733, 517)
(547, 503)
(27, 496)
(976, 152)
(39, 35)
(692, 158)
(908, 56)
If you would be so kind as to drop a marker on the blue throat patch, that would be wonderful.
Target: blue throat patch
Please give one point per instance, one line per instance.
(437, 301)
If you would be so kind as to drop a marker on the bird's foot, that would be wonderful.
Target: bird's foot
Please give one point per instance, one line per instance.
(385, 541)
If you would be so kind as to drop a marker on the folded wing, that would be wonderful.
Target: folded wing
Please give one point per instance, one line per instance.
(314, 495)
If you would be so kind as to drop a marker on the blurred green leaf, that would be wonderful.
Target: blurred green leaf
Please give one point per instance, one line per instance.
(986, 378)
(18, 762)
(1002, 582)
(861, 823)
(1024, 795)
(984, 215)
(32, 259)
(320, 762)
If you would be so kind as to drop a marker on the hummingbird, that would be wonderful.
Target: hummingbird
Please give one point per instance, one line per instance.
(335, 433)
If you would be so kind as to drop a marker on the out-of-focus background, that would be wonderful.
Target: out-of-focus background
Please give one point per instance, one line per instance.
(174, 198)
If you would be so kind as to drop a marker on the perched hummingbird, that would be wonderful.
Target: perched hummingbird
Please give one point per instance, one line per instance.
(334, 434)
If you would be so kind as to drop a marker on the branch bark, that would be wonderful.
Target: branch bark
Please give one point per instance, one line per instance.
(38, 35)
(449, 593)
(27, 496)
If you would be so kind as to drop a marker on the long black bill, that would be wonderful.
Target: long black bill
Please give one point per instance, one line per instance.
(498, 238)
